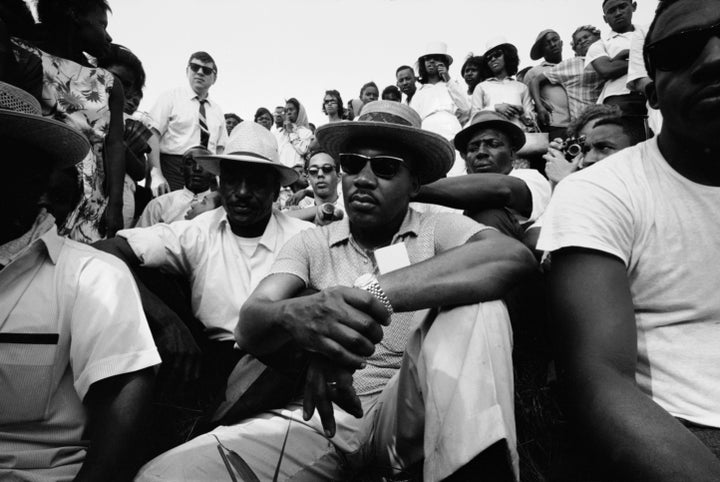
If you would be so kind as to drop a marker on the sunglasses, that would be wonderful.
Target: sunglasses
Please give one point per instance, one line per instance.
(205, 70)
(326, 169)
(385, 167)
(330, 101)
(495, 55)
(679, 50)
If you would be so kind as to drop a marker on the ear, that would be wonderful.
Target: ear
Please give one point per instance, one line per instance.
(634, 6)
(415, 186)
(651, 94)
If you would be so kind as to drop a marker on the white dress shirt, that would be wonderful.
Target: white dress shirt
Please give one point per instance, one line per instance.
(169, 207)
(207, 252)
(175, 116)
(610, 47)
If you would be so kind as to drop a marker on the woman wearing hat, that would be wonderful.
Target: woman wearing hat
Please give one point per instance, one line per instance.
(441, 102)
(500, 91)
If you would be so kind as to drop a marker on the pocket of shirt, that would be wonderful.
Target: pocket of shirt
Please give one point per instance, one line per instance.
(27, 362)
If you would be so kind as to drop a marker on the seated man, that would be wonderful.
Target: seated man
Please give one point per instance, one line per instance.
(493, 192)
(75, 350)
(323, 174)
(408, 384)
(174, 205)
(222, 253)
(634, 279)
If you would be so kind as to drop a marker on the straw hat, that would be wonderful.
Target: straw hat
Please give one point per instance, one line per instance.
(21, 120)
(436, 48)
(496, 42)
(536, 52)
(488, 119)
(433, 156)
(250, 143)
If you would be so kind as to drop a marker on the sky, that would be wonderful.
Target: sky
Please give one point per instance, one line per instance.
(269, 50)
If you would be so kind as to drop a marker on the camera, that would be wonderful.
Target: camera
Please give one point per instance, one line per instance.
(573, 147)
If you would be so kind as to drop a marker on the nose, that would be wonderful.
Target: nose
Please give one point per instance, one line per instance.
(708, 62)
(366, 177)
(196, 167)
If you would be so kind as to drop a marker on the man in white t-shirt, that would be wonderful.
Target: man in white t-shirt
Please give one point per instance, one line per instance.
(493, 192)
(634, 279)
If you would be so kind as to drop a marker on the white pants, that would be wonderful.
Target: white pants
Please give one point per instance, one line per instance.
(451, 399)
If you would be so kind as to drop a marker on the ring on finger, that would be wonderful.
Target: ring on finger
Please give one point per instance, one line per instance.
(331, 385)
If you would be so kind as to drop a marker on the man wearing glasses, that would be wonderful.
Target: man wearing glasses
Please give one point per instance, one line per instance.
(186, 116)
(399, 381)
(634, 280)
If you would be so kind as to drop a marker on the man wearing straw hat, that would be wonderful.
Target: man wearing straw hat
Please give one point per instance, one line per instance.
(75, 350)
(408, 347)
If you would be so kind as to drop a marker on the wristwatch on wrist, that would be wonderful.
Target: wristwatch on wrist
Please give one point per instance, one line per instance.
(369, 283)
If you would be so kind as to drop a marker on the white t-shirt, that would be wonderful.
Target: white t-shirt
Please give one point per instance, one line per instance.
(610, 47)
(666, 229)
(540, 191)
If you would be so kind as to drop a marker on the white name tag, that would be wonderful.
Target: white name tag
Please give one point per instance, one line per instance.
(391, 258)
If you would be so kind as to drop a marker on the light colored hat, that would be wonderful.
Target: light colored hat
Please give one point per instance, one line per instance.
(433, 156)
(496, 42)
(250, 143)
(487, 119)
(436, 48)
(21, 119)
(536, 51)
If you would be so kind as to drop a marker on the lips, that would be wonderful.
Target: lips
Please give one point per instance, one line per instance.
(363, 201)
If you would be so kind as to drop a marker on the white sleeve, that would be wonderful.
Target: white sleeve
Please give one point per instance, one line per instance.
(109, 331)
(636, 63)
(540, 191)
(460, 99)
(589, 212)
(151, 214)
(160, 112)
(595, 51)
(479, 101)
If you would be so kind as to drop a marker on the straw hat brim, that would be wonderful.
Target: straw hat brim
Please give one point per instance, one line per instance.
(433, 155)
(516, 135)
(211, 164)
(503, 44)
(63, 144)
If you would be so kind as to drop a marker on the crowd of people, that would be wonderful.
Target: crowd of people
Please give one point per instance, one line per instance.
(187, 295)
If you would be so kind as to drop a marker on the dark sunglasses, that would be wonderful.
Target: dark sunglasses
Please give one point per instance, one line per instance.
(386, 167)
(205, 70)
(495, 55)
(679, 50)
(330, 101)
(326, 169)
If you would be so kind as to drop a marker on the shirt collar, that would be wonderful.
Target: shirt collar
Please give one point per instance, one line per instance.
(199, 195)
(340, 231)
(42, 231)
(506, 79)
(613, 34)
(270, 236)
(193, 96)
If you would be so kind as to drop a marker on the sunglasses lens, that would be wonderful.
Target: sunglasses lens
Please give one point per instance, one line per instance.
(313, 171)
(352, 164)
(386, 167)
(205, 70)
(679, 50)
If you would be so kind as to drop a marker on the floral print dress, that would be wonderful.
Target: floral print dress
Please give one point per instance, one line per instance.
(79, 96)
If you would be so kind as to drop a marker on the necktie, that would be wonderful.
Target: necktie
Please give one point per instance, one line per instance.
(204, 132)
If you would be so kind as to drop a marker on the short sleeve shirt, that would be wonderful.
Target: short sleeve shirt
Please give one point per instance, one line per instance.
(610, 47)
(328, 256)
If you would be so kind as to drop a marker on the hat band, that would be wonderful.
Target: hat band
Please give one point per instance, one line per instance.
(386, 118)
(249, 154)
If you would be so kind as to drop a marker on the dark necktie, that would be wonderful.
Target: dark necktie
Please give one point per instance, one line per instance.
(204, 132)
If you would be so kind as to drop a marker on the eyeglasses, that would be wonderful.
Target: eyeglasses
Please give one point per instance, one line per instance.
(205, 70)
(679, 50)
(330, 101)
(494, 55)
(326, 169)
(385, 167)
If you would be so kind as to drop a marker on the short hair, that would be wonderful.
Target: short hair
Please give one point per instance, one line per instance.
(59, 15)
(319, 150)
(120, 55)
(205, 58)
(367, 86)
(629, 125)
(510, 55)
(232, 115)
(473, 60)
(336, 95)
(591, 113)
(261, 111)
(585, 28)
(404, 67)
(391, 90)
(662, 6)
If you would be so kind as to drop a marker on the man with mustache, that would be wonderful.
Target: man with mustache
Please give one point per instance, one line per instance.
(410, 387)
(634, 278)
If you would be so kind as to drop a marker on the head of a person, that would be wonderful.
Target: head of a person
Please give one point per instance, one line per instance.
(332, 103)
(127, 68)
(63, 194)
(608, 135)
(618, 14)
(391, 93)
(499, 60)
(589, 116)
(250, 178)
(682, 58)
(279, 115)
(81, 24)
(43, 145)
(583, 37)
(385, 156)
(292, 109)
(548, 45)
(208, 203)
(369, 92)
(470, 71)
(489, 143)
(264, 117)
(196, 178)
(201, 72)
(323, 175)
(405, 80)
(428, 64)
(231, 121)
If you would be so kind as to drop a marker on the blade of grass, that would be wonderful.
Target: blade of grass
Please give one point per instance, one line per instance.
(238, 463)
(282, 451)
(227, 464)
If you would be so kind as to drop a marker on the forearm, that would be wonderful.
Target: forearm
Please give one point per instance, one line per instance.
(476, 271)
(116, 408)
(610, 69)
(261, 330)
(535, 91)
(461, 101)
(306, 214)
(116, 167)
(154, 154)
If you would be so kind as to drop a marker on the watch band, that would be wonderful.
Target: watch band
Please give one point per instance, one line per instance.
(372, 286)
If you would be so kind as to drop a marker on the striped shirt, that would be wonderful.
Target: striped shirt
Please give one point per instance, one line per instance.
(582, 86)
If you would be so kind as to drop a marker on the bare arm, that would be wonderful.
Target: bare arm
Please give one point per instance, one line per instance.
(115, 161)
(594, 318)
(612, 68)
(116, 411)
(475, 192)
(158, 183)
(543, 111)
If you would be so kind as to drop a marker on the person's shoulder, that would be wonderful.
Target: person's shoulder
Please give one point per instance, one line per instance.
(80, 258)
(290, 223)
(622, 172)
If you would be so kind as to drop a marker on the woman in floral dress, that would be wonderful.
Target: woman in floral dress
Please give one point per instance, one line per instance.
(88, 99)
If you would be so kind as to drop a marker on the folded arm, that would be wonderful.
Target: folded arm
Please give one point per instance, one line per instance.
(612, 68)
